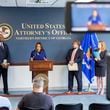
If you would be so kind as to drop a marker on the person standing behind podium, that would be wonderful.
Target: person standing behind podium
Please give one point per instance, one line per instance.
(94, 18)
(4, 62)
(75, 55)
(38, 53)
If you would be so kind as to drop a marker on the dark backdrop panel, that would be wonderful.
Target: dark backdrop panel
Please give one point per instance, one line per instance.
(56, 45)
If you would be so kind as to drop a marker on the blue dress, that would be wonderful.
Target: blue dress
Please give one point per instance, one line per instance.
(95, 20)
(38, 55)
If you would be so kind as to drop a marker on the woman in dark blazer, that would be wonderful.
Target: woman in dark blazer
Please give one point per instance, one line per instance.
(100, 67)
(75, 55)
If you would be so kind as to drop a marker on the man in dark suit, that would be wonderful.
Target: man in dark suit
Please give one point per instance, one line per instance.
(4, 62)
(75, 55)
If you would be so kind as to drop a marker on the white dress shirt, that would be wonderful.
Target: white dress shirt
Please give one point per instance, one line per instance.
(4, 102)
(1, 44)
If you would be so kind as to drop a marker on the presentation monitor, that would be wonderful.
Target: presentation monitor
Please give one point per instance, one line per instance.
(82, 17)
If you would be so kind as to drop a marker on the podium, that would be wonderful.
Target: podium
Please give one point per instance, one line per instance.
(97, 27)
(41, 66)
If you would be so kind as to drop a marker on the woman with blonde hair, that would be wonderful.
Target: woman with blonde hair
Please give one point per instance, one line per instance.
(100, 67)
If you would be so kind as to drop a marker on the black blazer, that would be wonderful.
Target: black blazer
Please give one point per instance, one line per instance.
(4, 53)
(78, 57)
(102, 61)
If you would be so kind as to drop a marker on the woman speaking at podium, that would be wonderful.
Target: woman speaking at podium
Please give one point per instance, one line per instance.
(95, 18)
(38, 53)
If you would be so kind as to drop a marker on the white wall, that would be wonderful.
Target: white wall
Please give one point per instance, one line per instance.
(19, 78)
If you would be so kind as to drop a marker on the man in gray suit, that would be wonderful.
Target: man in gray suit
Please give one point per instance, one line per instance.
(4, 62)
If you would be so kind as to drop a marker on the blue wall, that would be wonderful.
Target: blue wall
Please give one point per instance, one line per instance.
(56, 46)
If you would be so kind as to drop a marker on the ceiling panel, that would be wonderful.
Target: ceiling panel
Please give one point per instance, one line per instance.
(38, 3)
(7, 3)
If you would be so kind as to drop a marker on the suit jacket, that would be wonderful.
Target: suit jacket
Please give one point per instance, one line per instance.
(102, 61)
(78, 57)
(4, 53)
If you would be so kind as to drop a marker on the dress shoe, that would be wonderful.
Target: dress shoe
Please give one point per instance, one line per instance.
(79, 93)
(98, 92)
(102, 92)
(68, 92)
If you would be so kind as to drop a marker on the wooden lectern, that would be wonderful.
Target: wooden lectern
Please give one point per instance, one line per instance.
(41, 66)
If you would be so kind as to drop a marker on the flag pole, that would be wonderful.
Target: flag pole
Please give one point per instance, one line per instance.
(89, 88)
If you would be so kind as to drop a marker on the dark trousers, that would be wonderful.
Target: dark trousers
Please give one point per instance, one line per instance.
(3, 73)
(78, 76)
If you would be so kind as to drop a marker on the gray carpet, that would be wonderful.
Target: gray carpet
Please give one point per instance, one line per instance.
(86, 100)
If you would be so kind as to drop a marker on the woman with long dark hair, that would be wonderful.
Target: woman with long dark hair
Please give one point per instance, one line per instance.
(94, 18)
(38, 53)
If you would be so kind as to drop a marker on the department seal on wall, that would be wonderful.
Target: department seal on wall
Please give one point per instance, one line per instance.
(6, 31)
